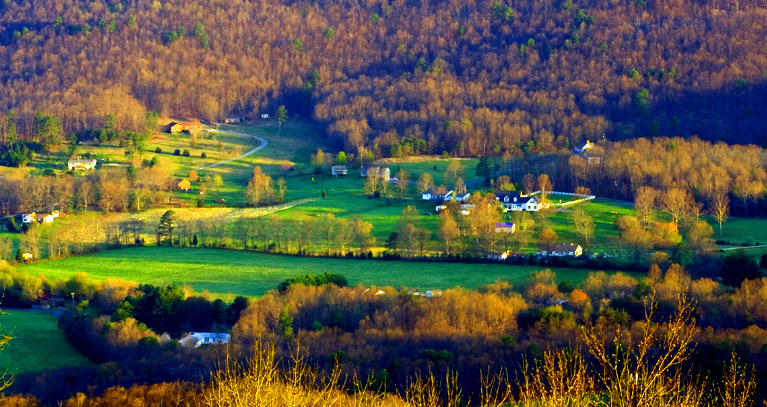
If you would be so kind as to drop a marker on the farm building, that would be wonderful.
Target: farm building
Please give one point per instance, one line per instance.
(183, 185)
(505, 227)
(338, 170)
(197, 339)
(232, 120)
(563, 250)
(587, 151)
(80, 164)
(514, 201)
(188, 127)
(264, 115)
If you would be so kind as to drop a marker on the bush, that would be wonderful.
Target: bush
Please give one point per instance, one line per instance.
(314, 280)
(186, 153)
(158, 150)
(200, 203)
(203, 155)
(177, 152)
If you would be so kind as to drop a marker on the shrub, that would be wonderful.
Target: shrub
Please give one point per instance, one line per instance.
(158, 150)
(186, 153)
(177, 152)
(203, 155)
(314, 280)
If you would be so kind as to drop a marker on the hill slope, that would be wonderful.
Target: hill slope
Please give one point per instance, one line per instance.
(468, 77)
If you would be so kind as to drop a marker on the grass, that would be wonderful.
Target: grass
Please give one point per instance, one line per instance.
(253, 274)
(436, 169)
(739, 230)
(37, 344)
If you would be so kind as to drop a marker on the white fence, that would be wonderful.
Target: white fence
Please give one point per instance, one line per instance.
(582, 198)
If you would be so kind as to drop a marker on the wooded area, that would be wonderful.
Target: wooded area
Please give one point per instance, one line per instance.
(396, 78)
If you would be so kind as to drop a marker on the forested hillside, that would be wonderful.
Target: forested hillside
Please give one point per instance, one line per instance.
(397, 77)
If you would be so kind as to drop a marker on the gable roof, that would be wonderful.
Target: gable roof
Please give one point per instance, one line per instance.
(504, 225)
(583, 146)
(502, 195)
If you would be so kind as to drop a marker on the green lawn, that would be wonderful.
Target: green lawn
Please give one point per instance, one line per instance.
(252, 274)
(739, 230)
(603, 211)
(436, 169)
(37, 344)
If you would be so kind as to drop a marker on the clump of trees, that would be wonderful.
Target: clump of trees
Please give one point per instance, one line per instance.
(313, 279)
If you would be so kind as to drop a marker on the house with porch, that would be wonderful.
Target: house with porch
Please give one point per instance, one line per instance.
(563, 250)
(514, 201)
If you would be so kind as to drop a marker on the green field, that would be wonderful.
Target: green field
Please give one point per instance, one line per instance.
(604, 212)
(37, 344)
(252, 274)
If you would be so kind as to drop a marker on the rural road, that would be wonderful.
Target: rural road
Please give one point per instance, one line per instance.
(263, 144)
(742, 247)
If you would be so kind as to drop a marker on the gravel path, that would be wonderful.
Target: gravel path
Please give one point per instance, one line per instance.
(263, 144)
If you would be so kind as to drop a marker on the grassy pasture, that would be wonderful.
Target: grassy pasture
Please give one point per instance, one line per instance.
(739, 230)
(252, 274)
(37, 344)
(417, 168)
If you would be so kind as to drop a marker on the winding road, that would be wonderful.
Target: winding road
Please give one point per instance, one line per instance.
(263, 144)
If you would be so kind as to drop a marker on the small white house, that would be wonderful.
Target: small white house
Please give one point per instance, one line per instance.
(505, 227)
(338, 170)
(80, 164)
(197, 339)
(44, 218)
(232, 120)
(28, 217)
(264, 115)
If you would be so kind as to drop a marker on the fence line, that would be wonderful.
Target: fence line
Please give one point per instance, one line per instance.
(583, 198)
